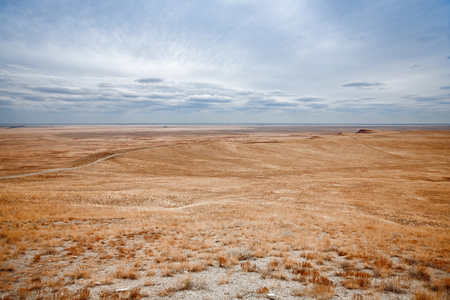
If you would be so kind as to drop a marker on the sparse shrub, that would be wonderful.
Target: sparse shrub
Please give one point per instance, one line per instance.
(122, 273)
(357, 297)
(264, 272)
(323, 288)
(7, 268)
(151, 271)
(11, 236)
(303, 271)
(309, 255)
(317, 291)
(422, 295)
(331, 248)
(82, 294)
(248, 267)
(34, 284)
(36, 258)
(55, 284)
(80, 272)
(75, 250)
(66, 294)
(356, 279)
(420, 273)
(166, 271)
(196, 267)
(347, 265)
(273, 264)
(439, 285)
(323, 292)
(176, 256)
(382, 263)
(260, 253)
(392, 285)
(226, 261)
(355, 283)
(241, 254)
(446, 283)
(135, 293)
(302, 292)
(320, 280)
(279, 274)
(381, 266)
(262, 290)
(289, 263)
(50, 251)
(106, 295)
(184, 283)
(328, 257)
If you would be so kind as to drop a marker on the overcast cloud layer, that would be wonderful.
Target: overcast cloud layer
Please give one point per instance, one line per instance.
(225, 61)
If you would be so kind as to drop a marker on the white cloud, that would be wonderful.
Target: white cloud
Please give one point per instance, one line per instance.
(363, 84)
(149, 80)
(222, 55)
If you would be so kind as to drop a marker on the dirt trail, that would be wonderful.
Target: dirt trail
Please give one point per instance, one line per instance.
(372, 148)
(84, 165)
(99, 157)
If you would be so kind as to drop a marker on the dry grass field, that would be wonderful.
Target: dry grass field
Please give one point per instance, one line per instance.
(231, 212)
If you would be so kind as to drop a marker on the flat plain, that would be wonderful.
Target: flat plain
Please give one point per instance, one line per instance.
(225, 212)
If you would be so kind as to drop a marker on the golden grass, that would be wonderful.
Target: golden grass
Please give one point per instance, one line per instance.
(183, 284)
(330, 212)
(81, 272)
(356, 279)
(123, 272)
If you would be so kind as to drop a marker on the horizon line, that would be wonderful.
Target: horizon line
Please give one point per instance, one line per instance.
(221, 123)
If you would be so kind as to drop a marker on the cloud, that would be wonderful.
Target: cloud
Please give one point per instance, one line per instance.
(362, 84)
(268, 103)
(20, 67)
(437, 99)
(361, 108)
(277, 93)
(149, 80)
(13, 93)
(5, 102)
(317, 106)
(353, 104)
(130, 95)
(208, 99)
(4, 76)
(258, 57)
(61, 90)
(104, 85)
(309, 99)
(37, 98)
(160, 96)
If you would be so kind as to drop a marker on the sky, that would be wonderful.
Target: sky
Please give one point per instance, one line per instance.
(225, 61)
